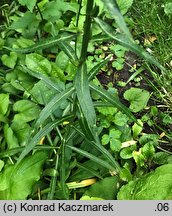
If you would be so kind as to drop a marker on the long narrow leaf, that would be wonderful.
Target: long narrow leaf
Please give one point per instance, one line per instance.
(53, 104)
(87, 30)
(69, 51)
(92, 73)
(120, 38)
(106, 154)
(127, 42)
(83, 95)
(88, 170)
(113, 100)
(114, 11)
(13, 151)
(41, 77)
(43, 44)
(101, 149)
(53, 182)
(93, 158)
(43, 132)
(102, 104)
(84, 125)
(136, 73)
(63, 171)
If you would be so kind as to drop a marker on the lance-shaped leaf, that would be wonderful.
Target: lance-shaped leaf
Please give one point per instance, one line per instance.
(83, 95)
(93, 158)
(113, 100)
(125, 38)
(43, 132)
(41, 77)
(114, 11)
(69, 51)
(127, 42)
(96, 68)
(97, 145)
(53, 105)
(43, 44)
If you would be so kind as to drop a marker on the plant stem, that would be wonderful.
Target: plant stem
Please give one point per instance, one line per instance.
(77, 23)
(87, 31)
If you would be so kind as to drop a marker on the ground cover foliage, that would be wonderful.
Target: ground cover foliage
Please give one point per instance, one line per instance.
(85, 100)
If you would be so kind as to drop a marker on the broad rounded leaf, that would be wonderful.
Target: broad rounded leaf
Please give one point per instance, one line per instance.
(139, 158)
(115, 145)
(9, 61)
(120, 119)
(124, 6)
(17, 182)
(107, 110)
(105, 139)
(137, 129)
(42, 93)
(29, 3)
(10, 137)
(149, 138)
(38, 63)
(168, 8)
(148, 151)
(106, 188)
(126, 153)
(115, 134)
(156, 185)
(162, 158)
(137, 97)
(21, 131)
(28, 110)
(125, 175)
(27, 24)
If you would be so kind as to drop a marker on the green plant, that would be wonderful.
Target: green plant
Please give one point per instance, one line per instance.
(51, 101)
(138, 98)
(107, 193)
(154, 185)
(157, 40)
(168, 8)
(18, 183)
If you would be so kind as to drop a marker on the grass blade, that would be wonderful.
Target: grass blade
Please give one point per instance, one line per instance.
(136, 73)
(52, 105)
(43, 44)
(113, 100)
(93, 158)
(43, 132)
(83, 94)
